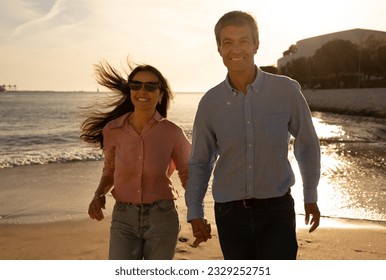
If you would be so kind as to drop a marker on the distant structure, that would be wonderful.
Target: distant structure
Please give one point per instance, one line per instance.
(308, 47)
(3, 88)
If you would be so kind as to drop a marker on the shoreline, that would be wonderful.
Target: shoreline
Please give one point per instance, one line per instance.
(367, 102)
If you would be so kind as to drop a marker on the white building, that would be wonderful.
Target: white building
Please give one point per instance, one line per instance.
(308, 47)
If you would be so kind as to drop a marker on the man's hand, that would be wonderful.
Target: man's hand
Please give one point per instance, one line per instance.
(312, 209)
(95, 208)
(201, 231)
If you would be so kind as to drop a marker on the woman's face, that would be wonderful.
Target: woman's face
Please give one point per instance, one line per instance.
(145, 91)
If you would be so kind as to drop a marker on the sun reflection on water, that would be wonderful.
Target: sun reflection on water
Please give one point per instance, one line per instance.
(352, 175)
(328, 131)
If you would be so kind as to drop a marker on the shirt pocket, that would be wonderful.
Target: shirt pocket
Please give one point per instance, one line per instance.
(276, 129)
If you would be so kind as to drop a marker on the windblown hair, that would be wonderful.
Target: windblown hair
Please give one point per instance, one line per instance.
(120, 102)
(236, 18)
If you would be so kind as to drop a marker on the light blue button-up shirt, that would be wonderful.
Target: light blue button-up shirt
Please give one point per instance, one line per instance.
(245, 139)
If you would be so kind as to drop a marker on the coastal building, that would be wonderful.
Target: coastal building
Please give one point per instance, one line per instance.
(308, 47)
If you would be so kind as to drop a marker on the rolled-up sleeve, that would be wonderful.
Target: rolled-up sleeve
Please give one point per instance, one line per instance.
(181, 154)
(109, 155)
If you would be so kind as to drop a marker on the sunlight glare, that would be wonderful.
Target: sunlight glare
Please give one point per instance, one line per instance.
(327, 131)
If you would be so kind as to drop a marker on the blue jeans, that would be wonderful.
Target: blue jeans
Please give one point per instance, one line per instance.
(264, 232)
(147, 231)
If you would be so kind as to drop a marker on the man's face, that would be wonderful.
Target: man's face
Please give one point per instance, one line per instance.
(237, 47)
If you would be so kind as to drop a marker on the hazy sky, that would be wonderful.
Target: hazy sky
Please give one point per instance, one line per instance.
(53, 44)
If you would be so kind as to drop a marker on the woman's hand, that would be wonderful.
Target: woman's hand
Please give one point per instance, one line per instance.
(96, 206)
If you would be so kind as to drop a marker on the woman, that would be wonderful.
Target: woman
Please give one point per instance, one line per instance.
(142, 149)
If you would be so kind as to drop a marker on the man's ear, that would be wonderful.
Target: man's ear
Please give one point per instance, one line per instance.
(219, 50)
(256, 46)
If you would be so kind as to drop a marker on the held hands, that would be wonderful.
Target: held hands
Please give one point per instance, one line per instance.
(201, 231)
(96, 206)
(312, 209)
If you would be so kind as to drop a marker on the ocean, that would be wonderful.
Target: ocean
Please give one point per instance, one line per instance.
(42, 128)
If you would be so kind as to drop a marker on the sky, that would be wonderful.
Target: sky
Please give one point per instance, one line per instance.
(54, 44)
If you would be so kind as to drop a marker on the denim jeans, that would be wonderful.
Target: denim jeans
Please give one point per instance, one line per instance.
(147, 231)
(266, 232)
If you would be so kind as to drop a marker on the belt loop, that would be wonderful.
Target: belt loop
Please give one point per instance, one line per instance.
(245, 204)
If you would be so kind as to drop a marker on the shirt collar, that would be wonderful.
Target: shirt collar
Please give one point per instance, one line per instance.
(255, 84)
(121, 121)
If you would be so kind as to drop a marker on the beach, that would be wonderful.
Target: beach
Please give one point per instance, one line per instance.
(80, 238)
(48, 177)
(88, 240)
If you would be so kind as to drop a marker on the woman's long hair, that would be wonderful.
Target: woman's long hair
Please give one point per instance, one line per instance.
(120, 103)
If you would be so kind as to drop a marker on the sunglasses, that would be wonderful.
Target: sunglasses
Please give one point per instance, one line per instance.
(149, 86)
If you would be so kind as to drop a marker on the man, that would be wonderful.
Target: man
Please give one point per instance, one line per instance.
(242, 130)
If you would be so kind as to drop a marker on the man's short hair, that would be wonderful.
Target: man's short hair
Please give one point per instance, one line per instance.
(237, 18)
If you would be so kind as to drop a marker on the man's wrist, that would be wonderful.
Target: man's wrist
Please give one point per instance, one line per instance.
(98, 195)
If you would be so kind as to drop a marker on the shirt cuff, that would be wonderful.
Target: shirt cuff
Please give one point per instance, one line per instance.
(195, 212)
(310, 195)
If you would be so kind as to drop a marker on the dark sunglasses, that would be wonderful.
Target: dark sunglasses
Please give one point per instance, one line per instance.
(149, 86)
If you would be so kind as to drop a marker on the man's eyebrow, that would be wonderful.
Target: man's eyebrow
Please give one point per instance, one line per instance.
(230, 39)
